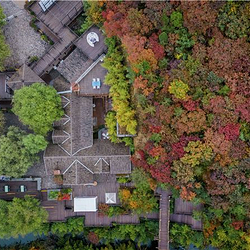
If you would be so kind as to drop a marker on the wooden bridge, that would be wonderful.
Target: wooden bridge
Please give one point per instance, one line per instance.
(163, 242)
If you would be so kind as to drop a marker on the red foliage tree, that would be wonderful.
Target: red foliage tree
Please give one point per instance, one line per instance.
(217, 142)
(93, 238)
(239, 83)
(238, 225)
(178, 148)
(157, 48)
(222, 54)
(242, 107)
(190, 105)
(161, 172)
(137, 53)
(230, 131)
(190, 122)
(238, 150)
(156, 151)
(198, 16)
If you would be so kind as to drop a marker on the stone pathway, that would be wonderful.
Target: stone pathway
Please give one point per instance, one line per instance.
(23, 40)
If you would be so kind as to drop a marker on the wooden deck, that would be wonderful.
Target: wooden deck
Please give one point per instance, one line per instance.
(183, 207)
(183, 212)
(61, 210)
(163, 243)
(187, 219)
(53, 23)
(59, 15)
(15, 190)
(56, 53)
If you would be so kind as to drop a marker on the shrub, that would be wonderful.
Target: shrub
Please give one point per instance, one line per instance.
(115, 211)
(103, 208)
(2, 122)
(58, 179)
(123, 180)
(163, 38)
(176, 19)
(179, 89)
(33, 59)
(234, 20)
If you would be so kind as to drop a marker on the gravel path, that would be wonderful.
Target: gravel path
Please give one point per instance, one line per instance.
(23, 40)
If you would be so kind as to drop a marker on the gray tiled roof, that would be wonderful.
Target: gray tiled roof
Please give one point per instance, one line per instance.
(120, 165)
(25, 76)
(102, 148)
(74, 65)
(74, 131)
(102, 157)
(81, 122)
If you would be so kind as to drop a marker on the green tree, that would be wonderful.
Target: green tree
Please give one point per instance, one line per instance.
(183, 235)
(142, 233)
(111, 124)
(141, 199)
(197, 152)
(21, 216)
(119, 90)
(2, 122)
(18, 151)
(234, 19)
(141, 179)
(73, 226)
(38, 106)
(34, 143)
(163, 38)
(176, 19)
(179, 89)
(4, 48)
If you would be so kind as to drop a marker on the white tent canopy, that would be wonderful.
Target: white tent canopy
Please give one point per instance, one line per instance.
(85, 204)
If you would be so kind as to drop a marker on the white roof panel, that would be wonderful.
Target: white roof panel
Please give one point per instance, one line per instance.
(45, 4)
(85, 204)
(110, 198)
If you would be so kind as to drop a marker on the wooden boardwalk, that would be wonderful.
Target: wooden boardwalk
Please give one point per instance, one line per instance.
(163, 242)
(187, 219)
(54, 24)
(56, 53)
